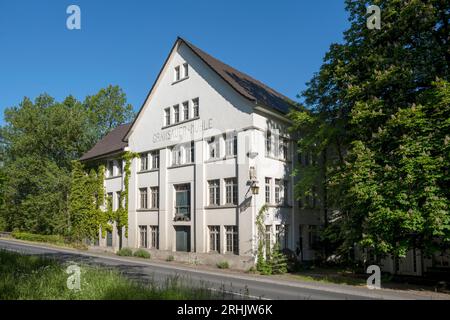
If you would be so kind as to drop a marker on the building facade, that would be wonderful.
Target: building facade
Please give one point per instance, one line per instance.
(213, 147)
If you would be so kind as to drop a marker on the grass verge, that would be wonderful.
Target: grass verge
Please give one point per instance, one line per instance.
(27, 277)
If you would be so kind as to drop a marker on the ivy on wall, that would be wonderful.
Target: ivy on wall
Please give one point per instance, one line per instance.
(269, 260)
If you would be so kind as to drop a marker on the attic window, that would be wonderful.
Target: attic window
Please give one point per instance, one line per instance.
(186, 70)
(177, 73)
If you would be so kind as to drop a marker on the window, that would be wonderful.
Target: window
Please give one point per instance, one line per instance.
(154, 240)
(277, 191)
(176, 155)
(214, 192)
(176, 113)
(312, 236)
(167, 116)
(268, 238)
(144, 198)
(231, 196)
(144, 161)
(119, 199)
(283, 148)
(110, 168)
(196, 107)
(214, 239)
(286, 192)
(155, 159)
(268, 183)
(177, 73)
(109, 201)
(186, 110)
(119, 167)
(268, 143)
(232, 239)
(190, 152)
(281, 235)
(231, 145)
(213, 146)
(155, 197)
(186, 70)
(183, 200)
(142, 236)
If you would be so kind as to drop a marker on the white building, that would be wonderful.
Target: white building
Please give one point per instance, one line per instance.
(206, 134)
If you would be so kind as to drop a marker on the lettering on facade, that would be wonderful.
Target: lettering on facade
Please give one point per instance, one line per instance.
(180, 132)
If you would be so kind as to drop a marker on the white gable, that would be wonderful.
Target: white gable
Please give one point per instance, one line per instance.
(220, 107)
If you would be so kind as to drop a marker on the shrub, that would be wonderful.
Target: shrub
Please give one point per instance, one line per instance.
(223, 265)
(170, 258)
(141, 253)
(125, 252)
(55, 239)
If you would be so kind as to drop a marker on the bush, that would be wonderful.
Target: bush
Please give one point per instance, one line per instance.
(55, 239)
(141, 253)
(170, 258)
(125, 252)
(223, 265)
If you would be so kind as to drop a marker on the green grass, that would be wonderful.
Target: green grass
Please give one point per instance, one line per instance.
(223, 265)
(141, 253)
(170, 258)
(125, 252)
(27, 277)
(54, 239)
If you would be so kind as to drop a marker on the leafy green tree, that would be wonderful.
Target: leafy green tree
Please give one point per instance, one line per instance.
(106, 110)
(378, 120)
(39, 141)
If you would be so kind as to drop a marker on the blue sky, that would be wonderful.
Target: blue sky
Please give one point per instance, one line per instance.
(281, 43)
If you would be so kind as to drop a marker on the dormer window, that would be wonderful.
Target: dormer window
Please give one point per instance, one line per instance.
(177, 73)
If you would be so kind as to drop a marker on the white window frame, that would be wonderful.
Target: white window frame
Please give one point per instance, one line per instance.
(196, 107)
(231, 240)
(214, 192)
(167, 116)
(154, 197)
(143, 198)
(214, 239)
(231, 195)
(176, 113)
(186, 110)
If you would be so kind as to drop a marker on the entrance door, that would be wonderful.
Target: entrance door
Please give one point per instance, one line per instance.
(183, 238)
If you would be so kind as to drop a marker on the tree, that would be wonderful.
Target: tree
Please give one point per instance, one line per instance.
(39, 141)
(106, 110)
(379, 120)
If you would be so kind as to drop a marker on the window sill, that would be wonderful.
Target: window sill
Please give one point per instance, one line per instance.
(147, 171)
(225, 206)
(278, 205)
(180, 80)
(220, 159)
(147, 210)
(181, 165)
(179, 122)
(113, 177)
(268, 156)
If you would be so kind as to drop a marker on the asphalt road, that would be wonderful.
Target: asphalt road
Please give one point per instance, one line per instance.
(231, 284)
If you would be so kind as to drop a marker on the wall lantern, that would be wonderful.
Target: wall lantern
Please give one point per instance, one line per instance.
(255, 188)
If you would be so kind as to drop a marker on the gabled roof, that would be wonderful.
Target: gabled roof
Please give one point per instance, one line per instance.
(245, 85)
(242, 83)
(110, 144)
